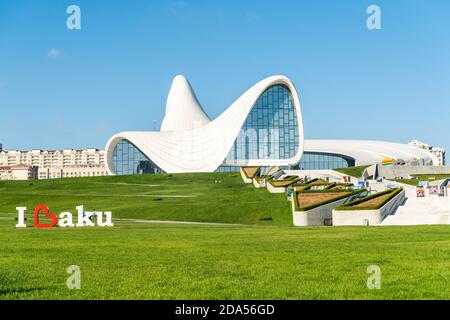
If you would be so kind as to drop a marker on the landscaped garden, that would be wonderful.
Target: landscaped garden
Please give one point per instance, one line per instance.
(417, 178)
(373, 202)
(307, 200)
(286, 182)
(352, 171)
(202, 197)
(264, 259)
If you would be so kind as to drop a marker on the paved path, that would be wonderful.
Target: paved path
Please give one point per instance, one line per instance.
(14, 214)
(109, 195)
(420, 211)
(180, 222)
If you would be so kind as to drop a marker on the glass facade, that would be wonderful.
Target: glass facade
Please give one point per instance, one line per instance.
(270, 130)
(228, 169)
(129, 160)
(324, 161)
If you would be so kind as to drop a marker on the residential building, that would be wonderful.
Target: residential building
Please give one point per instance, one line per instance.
(72, 171)
(58, 163)
(437, 151)
(18, 172)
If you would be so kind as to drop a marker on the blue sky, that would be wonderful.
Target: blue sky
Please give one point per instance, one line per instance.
(63, 88)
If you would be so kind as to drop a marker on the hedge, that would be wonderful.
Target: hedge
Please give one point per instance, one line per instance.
(351, 206)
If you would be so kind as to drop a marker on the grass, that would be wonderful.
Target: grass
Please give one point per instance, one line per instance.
(217, 197)
(352, 171)
(423, 177)
(146, 261)
(410, 182)
(431, 177)
(268, 259)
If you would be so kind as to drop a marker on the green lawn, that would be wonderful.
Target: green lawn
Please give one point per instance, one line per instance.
(267, 259)
(218, 197)
(146, 261)
(352, 171)
(423, 177)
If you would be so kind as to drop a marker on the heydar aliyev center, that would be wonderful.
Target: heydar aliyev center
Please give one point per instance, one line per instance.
(263, 127)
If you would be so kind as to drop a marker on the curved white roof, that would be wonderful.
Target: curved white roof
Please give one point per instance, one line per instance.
(367, 152)
(189, 142)
(183, 111)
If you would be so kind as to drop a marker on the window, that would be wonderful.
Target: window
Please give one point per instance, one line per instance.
(270, 130)
(324, 161)
(129, 160)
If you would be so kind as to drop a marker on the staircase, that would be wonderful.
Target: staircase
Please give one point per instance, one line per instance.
(420, 211)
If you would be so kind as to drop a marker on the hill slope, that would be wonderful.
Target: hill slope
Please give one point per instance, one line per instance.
(202, 197)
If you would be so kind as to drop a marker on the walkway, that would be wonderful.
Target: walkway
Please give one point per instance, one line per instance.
(420, 211)
(181, 222)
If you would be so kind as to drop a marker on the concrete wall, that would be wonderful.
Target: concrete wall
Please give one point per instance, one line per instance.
(392, 172)
(332, 175)
(316, 216)
(273, 189)
(257, 184)
(244, 177)
(367, 217)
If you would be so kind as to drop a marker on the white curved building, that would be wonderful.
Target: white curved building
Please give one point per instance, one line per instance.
(263, 127)
(348, 153)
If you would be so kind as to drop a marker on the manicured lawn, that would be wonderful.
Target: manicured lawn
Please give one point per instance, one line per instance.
(146, 261)
(411, 182)
(352, 171)
(431, 177)
(423, 177)
(267, 259)
(217, 197)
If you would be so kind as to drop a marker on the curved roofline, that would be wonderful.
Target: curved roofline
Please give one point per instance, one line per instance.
(367, 152)
(204, 148)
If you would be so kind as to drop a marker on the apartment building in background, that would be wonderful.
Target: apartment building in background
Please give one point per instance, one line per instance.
(52, 164)
(437, 151)
(18, 172)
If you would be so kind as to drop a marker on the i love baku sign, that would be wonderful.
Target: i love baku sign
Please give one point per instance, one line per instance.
(65, 219)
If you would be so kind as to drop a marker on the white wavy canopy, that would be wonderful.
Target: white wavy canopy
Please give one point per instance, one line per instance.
(190, 142)
(366, 152)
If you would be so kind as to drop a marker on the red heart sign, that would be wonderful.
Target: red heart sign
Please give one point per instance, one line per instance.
(44, 208)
